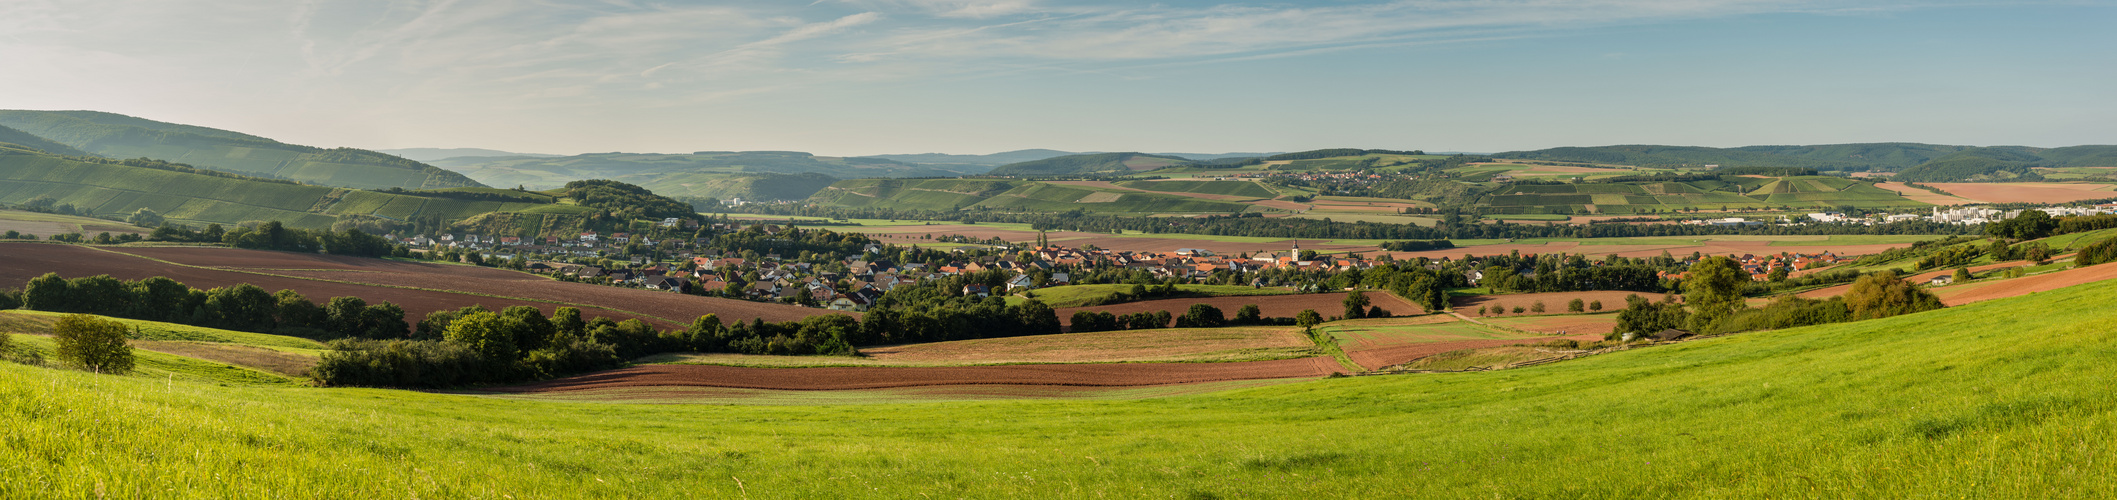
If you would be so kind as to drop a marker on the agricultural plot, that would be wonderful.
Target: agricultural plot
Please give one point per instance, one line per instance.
(849, 378)
(43, 224)
(1374, 344)
(1187, 345)
(1271, 306)
(1078, 295)
(2027, 192)
(439, 287)
(1742, 192)
(1230, 188)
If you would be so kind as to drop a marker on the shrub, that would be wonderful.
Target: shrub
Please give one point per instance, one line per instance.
(94, 343)
(1538, 307)
(1576, 306)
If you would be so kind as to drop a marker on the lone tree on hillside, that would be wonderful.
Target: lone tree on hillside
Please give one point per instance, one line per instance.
(94, 343)
(1576, 306)
(1538, 307)
(1595, 306)
(1713, 289)
(1308, 319)
(1962, 274)
(1355, 304)
(1882, 294)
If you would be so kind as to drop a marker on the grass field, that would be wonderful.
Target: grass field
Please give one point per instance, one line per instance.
(1973, 401)
(43, 224)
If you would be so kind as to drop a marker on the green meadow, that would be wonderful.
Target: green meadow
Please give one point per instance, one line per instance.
(2001, 399)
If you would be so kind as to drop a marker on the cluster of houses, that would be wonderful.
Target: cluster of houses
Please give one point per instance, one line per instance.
(1760, 267)
(864, 278)
(1953, 215)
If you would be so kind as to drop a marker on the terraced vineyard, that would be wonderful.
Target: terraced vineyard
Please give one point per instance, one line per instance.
(1741, 192)
(957, 194)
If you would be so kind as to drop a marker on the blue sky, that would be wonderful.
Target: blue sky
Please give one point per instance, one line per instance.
(852, 77)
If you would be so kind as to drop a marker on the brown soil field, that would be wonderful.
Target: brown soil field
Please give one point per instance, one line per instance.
(1185, 344)
(939, 393)
(1942, 292)
(1554, 303)
(846, 378)
(913, 235)
(1272, 306)
(19, 262)
(1572, 324)
(289, 364)
(2027, 192)
(1977, 292)
(673, 307)
(1921, 195)
(1373, 359)
(1281, 204)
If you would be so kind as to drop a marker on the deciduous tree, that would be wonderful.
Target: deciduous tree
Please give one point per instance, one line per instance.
(93, 343)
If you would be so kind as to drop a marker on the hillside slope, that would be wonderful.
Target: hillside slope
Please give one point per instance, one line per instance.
(1089, 164)
(1972, 401)
(717, 174)
(1917, 162)
(1009, 196)
(189, 196)
(120, 136)
(9, 135)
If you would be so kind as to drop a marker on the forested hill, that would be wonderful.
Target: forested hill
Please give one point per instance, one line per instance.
(19, 138)
(706, 174)
(1097, 163)
(179, 193)
(991, 160)
(119, 136)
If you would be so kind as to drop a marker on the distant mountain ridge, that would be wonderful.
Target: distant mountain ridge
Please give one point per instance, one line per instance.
(119, 136)
(1097, 163)
(433, 154)
(1003, 158)
(704, 174)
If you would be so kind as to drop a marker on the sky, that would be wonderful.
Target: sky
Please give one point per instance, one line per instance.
(858, 77)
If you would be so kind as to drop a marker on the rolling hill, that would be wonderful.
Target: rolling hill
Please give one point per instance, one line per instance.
(1985, 400)
(432, 154)
(119, 136)
(1008, 195)
(715, 174)
(25, 139)
(1088, 164)
(194, 196)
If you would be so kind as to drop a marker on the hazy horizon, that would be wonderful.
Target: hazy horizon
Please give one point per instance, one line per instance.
(869, 77)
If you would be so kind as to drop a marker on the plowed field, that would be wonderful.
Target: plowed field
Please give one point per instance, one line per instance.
(1391, 356)
(21, 261)
(1183, 344)
(1554, 302)
(844, 378)
(2027, 192)
(1273, 306)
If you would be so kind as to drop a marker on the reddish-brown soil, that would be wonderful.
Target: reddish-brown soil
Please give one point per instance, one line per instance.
(1921, 195)
(1943, 292)
(1272, 306)
(841, 378)
(1571, 324)
(19, 262)
(676, 308)
(1975, 292)
(1390, 356)
(1554, 302)
(2026, 192)
(1185, 344)
(289, 364)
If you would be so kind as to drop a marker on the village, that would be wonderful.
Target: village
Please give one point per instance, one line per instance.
(856, 282)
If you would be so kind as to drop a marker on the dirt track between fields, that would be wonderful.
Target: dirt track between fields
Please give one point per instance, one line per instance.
(842, 378)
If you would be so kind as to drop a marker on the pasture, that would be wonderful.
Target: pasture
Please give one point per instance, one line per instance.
(1973, 400)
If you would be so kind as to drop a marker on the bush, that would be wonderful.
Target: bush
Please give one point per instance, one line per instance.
(400, 363)
(94, 343)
